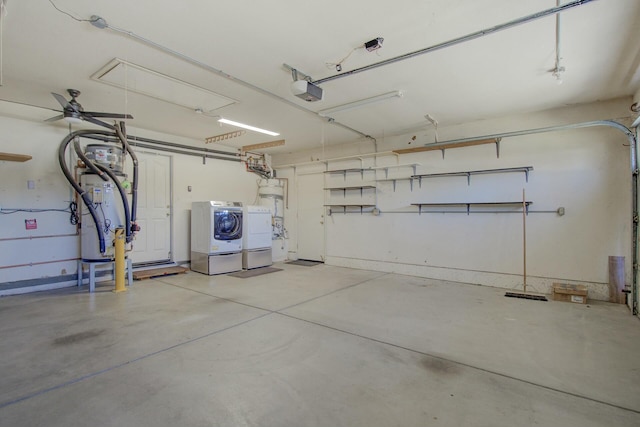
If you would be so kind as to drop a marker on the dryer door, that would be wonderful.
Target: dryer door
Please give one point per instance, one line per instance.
(227, 225)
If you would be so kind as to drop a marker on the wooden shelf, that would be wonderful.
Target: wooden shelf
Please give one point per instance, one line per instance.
(521, 169)
(443, 147)
(14, 157)
(469, 204)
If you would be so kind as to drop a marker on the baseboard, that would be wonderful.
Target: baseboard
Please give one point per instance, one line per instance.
(597, 291)
(48, 283)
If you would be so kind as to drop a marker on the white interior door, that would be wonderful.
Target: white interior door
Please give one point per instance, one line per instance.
(153, 242)
(311, 217)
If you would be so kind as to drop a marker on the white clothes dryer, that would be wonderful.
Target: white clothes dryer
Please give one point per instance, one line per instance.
(256, 245)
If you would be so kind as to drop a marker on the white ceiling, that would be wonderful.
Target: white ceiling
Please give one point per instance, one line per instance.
(503, 73)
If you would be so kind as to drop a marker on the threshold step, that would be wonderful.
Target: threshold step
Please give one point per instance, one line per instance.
(158, 272)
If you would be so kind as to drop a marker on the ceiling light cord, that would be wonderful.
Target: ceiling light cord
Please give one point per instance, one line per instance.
(338, 65)
(68, 14)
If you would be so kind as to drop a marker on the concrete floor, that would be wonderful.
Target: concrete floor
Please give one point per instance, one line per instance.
(314, 346)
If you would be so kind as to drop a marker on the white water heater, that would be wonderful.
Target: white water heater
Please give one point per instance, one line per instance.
(271, 194)
(106, 203)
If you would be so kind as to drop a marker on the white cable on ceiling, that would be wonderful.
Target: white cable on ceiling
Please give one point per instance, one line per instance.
(338, 65)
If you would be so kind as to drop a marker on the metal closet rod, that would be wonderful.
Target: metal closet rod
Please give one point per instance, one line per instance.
(186, 153)
(453, 42)
(173, 144)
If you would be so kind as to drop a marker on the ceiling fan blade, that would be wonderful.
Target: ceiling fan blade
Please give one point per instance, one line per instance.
(61, 100)
(90, 119)
(108, 115)
(53, 119)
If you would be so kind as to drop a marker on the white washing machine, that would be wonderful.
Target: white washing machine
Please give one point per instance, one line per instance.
(256, 245)
(216, 237)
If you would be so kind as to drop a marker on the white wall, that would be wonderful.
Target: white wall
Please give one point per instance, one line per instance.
(215, 180)
(586, 171)
(287, 249)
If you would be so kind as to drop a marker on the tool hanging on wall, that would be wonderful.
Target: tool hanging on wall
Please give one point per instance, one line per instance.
(525, 294)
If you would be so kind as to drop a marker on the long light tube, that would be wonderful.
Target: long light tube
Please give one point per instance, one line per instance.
(361, 102)
(242, 125)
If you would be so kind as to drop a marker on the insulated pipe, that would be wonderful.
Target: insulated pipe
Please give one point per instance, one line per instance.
(458, 40)
(120, 131)
(76, 186)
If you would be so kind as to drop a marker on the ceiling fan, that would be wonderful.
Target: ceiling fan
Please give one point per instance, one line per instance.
(73, 112)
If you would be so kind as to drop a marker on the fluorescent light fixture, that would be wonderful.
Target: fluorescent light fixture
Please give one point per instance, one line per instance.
(242, 125)
(135, 78)
(360, 103)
